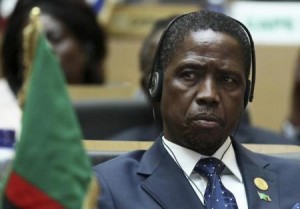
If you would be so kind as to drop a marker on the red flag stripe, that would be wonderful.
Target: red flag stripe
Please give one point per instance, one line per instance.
(25, 195)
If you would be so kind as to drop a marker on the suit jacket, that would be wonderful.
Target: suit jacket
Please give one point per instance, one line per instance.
(151, 179)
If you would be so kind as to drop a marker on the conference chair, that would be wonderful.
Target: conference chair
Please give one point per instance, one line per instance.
(103, 119)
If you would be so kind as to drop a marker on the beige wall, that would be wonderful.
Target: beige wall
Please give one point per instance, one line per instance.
(275, 70)
(122, 64)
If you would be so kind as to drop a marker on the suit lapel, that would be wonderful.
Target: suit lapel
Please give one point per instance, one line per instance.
(166, 182)
(167, 185)
(251, 167)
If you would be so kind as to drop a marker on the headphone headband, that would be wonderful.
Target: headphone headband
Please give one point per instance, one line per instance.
(253, 60)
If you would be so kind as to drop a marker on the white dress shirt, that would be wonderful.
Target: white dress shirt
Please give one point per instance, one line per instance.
(187, 160)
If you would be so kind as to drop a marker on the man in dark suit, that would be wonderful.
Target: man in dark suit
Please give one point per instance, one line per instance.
(200, 81)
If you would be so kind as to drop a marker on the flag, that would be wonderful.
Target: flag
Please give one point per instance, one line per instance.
(264, 196)
(51, 169)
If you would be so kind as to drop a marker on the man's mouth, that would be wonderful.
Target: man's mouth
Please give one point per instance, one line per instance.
(207, 121)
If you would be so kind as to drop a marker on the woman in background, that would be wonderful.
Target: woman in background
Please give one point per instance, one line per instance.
(73, 32)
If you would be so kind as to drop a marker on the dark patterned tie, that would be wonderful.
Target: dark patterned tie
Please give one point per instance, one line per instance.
(216, 195)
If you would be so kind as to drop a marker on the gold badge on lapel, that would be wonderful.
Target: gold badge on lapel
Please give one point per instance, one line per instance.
(261, 184)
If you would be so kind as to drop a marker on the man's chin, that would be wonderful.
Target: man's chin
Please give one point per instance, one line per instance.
(204, 142)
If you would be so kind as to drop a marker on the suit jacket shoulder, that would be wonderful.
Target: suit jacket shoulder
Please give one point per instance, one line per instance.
(145, 179)
(281, 176)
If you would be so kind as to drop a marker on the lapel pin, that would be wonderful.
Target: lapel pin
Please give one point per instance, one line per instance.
(264, 197)
(261, 184)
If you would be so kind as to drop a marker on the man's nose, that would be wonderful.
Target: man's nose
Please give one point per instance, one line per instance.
(208, 92)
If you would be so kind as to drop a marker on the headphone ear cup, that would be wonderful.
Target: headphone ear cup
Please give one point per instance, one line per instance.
(155, 86)
(247, 93)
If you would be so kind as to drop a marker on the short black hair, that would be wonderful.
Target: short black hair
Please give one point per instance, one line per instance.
(76, 15)
(203, 20)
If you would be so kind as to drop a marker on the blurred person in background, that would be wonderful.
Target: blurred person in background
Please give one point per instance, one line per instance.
(10, 117)
(10, 112)
(147, 53)
(291, 127)
(146, 56)
(73, 32)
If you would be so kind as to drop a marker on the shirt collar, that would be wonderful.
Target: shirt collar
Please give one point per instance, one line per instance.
(187, 159)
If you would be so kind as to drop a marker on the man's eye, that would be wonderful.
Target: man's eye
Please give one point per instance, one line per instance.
(227, 79)
(189, 75)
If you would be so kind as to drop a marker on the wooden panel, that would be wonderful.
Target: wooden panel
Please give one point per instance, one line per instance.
(102, 145)
(98, 145)
(84, 92)
(137, 19)
(122, 66)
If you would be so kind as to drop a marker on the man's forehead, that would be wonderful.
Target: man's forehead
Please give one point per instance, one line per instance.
(197, 40)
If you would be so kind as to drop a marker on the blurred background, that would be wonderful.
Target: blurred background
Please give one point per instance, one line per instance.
(275, 26)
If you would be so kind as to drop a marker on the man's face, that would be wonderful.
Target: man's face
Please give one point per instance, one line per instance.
(203, 91)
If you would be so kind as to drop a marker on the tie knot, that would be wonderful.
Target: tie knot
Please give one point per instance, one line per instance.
(209, 166)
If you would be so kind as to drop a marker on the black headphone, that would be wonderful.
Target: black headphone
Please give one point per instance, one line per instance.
(156, 77)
